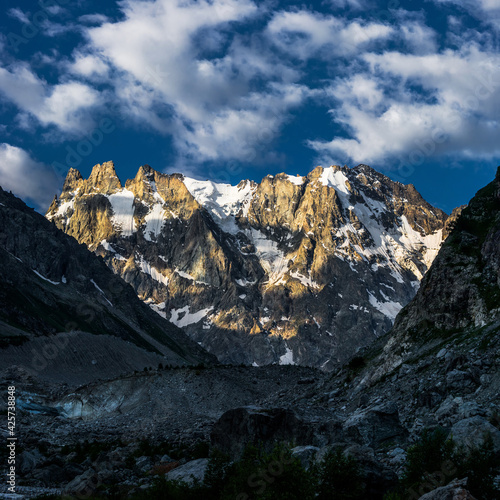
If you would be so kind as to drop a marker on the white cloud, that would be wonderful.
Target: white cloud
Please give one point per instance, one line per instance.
(254, 124)
(360, 89)
(165, 76)
(222, 86)
(88, 65)
(420, 38)
(349, 4)
(18, 14)
(486, 10)
(307, 34)
(477, 5)
(93, 18)
(467, 80)
(27, 178)
(63, 105)
(455, 114)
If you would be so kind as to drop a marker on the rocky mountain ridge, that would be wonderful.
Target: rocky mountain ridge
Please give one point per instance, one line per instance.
(301, 270)
(54, 293)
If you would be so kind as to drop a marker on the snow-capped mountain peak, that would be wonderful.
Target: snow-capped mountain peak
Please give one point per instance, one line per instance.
(317, 264)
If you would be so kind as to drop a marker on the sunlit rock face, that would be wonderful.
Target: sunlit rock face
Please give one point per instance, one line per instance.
(302, 270)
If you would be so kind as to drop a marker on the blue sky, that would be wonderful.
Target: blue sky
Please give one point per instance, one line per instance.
(233, 89)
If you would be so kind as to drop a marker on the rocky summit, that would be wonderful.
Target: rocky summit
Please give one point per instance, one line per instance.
(294, 270)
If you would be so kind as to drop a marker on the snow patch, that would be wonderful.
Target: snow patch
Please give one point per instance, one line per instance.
(287, 358)
(122, 203)
(146, 268)
(107, 246)
(305, 280)
(63, 208)
(388, 308)
(46, 279)
(297, 180)
(223, 201)
(154, 220)
(271, 258)
(245, 282)
(99, 289)
(188, 318)
(158, 308)
(187, 276)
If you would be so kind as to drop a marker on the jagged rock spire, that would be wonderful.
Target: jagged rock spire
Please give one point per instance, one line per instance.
(73, 181)
(104, 179)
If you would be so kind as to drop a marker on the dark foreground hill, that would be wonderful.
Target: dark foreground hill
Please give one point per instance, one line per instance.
(51, 285)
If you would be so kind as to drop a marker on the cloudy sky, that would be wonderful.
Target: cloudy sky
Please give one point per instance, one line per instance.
(233, 89)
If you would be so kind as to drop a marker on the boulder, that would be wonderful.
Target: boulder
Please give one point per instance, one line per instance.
(375, 426)
(448, 409)
(54, 473)
(29, 460)
(84, 484)
(470, 409)
(306, 454)
(397, 457)
(190, 471)
(459, 380)
(251, 425)
(144, 464)
(471, 433)
(453, 491)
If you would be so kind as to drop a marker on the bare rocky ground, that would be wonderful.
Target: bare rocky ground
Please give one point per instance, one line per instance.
(173, 409)
(139, 425)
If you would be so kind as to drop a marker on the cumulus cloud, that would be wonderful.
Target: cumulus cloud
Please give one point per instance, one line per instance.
(486, 10)
(64, 105)
(88, 66)
(420, 38)
(307, 34)
(25, 177)
(254, 124)
(454, 112)
(162, 54)
(221, 78)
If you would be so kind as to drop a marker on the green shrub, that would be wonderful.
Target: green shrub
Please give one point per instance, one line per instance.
(339, 477)
(268, 476)
(216, 474)
(429, 463)
(480, 467)
(393, 496)
(434, 462)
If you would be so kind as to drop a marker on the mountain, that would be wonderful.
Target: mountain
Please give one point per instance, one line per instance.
(439, 365)
(59, 300)
(434, 376)
(302, 270)
(458, 303)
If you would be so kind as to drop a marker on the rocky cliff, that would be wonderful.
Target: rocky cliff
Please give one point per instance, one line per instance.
(459, 298)
(51, 285)
(301, 270)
